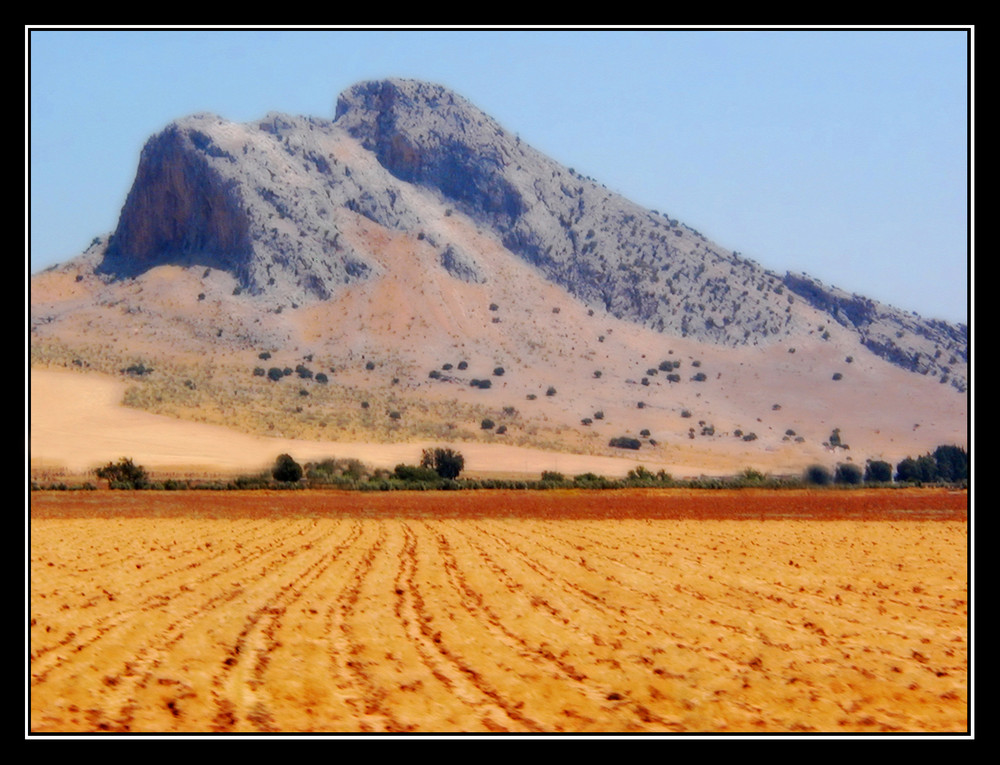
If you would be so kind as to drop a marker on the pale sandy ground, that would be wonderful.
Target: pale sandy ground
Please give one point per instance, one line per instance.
(77, 423)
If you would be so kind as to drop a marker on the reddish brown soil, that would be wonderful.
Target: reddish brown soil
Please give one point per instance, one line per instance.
(751, 504)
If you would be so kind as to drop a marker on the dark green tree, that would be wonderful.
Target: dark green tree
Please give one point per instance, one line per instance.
(878, 471)
(818, 475)
(907, 470)
(952, 463)
(849, 473)
(124, 474)
(447, 463)
(286, 470)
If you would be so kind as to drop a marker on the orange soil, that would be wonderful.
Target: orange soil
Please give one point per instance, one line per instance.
(652, 611)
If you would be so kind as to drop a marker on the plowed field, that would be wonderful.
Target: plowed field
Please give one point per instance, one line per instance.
(624, 611)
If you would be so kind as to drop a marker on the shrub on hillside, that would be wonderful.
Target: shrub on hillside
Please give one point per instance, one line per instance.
(625, 442)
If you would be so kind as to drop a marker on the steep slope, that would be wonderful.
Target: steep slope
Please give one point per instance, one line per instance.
(636, 264)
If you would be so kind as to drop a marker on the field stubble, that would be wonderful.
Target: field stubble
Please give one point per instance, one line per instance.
(632, 611)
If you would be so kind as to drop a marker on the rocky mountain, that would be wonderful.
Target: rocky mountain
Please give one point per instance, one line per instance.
(413, 235)
(265, 201)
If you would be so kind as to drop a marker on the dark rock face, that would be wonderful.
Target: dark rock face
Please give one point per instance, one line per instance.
(427, 135)
(180, 210)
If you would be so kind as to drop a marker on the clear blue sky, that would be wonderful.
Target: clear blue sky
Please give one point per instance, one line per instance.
(843, 154)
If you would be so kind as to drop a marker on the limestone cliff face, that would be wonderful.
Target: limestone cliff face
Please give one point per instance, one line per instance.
(180, 209)
(272, 203)
(264, 201)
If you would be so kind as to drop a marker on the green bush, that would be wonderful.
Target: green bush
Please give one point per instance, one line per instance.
(952, 463)
(625, 442)
(447, 463)
(286, 469)
(878, 471)
(124, 474)
(274, 374)
(415, 474)
(817, 475)
(848, 473)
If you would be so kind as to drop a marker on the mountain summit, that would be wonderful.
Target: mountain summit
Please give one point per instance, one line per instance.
(414, 227)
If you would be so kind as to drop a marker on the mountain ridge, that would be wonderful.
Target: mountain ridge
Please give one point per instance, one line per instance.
(635, 264)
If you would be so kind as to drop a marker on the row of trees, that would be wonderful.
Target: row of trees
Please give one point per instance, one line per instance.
(946, 464)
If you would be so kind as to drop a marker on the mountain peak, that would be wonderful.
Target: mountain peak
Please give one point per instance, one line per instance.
(274, 202)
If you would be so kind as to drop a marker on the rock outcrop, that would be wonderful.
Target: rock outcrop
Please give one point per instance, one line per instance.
(928, 347)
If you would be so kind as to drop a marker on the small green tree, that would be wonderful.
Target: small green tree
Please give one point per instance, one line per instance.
(124, 474)
(447, 463)
(848, 473)
(878, 471)
(817, 475)
(286, 469)
(952, 463)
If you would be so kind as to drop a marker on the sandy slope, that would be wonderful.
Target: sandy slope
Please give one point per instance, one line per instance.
(78, 423)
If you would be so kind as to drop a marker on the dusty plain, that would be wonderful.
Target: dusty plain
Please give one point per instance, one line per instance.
(638, 611)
